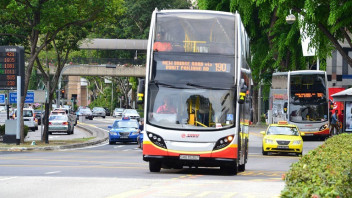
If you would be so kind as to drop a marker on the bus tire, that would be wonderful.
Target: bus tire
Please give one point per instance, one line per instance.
(241, 167)
(229, 169)
(154, 166)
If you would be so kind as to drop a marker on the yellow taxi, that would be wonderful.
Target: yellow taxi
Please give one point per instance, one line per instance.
(282, 137)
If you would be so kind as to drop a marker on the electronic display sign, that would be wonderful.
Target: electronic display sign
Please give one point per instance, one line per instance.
(194, 66)
(11, 64)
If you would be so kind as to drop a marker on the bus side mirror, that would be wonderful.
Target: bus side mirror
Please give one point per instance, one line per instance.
(243, 90)
(285, 107)
(140, 91)
(331, 105)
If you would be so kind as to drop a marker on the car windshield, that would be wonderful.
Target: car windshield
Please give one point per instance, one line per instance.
(85, 111)
(126, 124)
(119, 110)
(282, 130)
(27, 113)
(57, 118)
(131, 111)
(98, 109)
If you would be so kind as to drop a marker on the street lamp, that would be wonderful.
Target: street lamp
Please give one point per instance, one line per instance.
(290, 19)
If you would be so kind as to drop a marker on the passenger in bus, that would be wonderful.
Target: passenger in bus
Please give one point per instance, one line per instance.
(166, 108)
(160, 45)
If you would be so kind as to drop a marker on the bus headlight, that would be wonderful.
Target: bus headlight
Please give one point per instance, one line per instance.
(157, 140)
(223, 142)
(296, 142)
(325, 126)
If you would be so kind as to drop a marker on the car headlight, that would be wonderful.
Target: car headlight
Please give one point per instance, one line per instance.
(296, 142)
(269, 141)
(112, 133)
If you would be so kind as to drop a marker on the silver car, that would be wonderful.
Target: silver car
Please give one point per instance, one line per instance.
(99, 112)
(118, 112)
(60, 124)
(131, 113)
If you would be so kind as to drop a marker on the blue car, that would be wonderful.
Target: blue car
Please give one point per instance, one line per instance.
(124, 130)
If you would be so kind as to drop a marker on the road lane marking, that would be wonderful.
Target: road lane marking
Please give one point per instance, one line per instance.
(53, 172)
(8, 178)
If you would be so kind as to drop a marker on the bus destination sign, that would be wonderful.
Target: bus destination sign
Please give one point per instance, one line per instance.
(309, 95)
(9, 66)
(194, 66)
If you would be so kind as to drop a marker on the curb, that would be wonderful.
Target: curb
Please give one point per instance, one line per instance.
(100, 136)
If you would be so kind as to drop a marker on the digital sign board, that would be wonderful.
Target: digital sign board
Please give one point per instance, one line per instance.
(194, 66)
(11, 65)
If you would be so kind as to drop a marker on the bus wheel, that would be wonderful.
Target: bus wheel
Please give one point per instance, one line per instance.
(229, 169)
(154, 166)
(241, 167)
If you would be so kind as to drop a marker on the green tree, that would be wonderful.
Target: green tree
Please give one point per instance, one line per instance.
(36, 23)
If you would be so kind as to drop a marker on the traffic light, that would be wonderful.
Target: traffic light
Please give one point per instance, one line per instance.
(62, 93)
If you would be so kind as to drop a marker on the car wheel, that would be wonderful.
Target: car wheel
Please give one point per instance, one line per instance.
(36, 128)
(73, 130)
(111, 143)
(154, 166)
(264, 152)
(104, 117)
(91, 118)
(33, 129)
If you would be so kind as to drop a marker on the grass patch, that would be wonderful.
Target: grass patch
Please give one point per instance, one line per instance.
(51, 143)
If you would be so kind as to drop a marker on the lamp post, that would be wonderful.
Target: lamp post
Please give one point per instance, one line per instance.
(290, 19)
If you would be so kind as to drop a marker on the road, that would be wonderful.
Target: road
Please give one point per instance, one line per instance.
(119, 171)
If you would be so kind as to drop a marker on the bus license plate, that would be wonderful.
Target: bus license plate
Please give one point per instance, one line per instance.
(282, 147)
(189, 157)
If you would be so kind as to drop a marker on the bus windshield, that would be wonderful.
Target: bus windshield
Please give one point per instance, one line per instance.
(195, 33)
(308, 102)
(190, 108)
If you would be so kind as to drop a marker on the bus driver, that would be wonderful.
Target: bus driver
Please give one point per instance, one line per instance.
(160, 45)
(166, 108)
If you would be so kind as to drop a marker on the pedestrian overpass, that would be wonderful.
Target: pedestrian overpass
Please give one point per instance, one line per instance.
(107, 66)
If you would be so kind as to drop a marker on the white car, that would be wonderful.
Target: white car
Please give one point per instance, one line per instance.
(60, 123)
(131, 113)
(118, 112)
(28, 118)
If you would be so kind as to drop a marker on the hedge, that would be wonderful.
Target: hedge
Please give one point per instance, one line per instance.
(324, 172)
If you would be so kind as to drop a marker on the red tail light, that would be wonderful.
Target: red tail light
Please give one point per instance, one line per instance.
(50, 123)
(65, 123)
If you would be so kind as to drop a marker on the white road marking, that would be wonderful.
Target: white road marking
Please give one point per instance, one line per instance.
(54, 172)
(8, 178)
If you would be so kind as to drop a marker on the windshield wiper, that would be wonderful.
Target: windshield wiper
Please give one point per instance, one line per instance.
(208, 87)
(165, 84)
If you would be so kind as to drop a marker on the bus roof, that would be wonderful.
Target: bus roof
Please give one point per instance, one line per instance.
(197, 11)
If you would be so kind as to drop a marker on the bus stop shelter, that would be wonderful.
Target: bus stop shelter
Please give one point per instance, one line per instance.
(345, 97)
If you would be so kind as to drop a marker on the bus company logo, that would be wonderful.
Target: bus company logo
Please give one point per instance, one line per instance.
(189, 135)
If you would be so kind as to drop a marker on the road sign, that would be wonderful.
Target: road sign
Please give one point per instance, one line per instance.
(11, 65)
(29, 97)
(2, 98)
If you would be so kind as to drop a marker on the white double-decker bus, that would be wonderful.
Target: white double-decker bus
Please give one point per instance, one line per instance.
(197, 91)
(301, 98)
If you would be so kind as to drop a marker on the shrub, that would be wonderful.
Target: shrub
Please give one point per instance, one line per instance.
(26, 129)
(324, 172)
(2, 129)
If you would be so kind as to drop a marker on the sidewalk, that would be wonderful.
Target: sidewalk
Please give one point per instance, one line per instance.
(100, 136)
